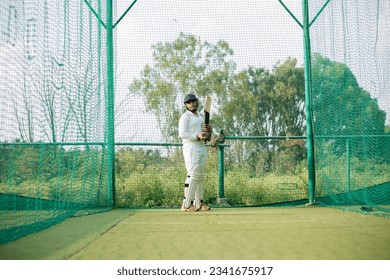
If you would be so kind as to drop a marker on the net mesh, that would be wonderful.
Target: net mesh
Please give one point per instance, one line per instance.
(350, 46)
(52, 72)
(55, 125)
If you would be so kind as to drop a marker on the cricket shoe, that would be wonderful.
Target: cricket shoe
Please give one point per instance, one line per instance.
(204, 207)
(192, 208)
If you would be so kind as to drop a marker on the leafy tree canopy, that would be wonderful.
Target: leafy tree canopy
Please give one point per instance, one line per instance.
(184, 66)
(342, 107)
(254, 101)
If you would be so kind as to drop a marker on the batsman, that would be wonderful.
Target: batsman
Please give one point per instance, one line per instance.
(195, 131)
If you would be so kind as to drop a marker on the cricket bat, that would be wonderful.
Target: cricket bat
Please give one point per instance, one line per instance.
(207, 105)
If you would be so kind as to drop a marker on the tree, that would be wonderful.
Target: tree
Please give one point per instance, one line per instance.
(342, 108)
(81, 97)
(255, 101)
(23, 112)
(263, 102)
(288, 99)
(184, 66)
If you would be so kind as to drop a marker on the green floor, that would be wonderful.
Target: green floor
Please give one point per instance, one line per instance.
(296, 233)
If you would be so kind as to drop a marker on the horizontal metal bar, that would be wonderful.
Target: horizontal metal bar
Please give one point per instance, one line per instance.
(180, 144)
(351, 136)
(263, 137)
(146, 144)
(158, 144)
(302, 137)
(54, 144)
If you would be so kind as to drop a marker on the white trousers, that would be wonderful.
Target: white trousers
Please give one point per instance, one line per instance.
(195, 155)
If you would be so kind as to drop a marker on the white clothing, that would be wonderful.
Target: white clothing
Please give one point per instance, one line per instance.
(190, 125)
(195, 154)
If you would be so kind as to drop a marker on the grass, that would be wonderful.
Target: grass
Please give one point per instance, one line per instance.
(257, 233)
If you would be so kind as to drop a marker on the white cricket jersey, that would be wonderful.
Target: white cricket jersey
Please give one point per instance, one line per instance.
(190, 125)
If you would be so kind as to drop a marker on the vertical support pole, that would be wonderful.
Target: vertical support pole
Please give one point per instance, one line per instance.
(308, 101)
(110, 105)
(110, 92)
(348, 165)
(221, 172)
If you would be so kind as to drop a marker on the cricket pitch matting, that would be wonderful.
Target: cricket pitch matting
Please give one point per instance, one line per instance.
(264, 233)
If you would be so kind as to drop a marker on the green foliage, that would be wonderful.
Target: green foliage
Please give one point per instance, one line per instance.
(245, 188)
(160, 184)
(263, 102)
(252, 102)
(144, 178)
(341, 107)
(257, 101)
(333, 177)
(50, 172)
(151, 178)
(184, 66)
(20, 163)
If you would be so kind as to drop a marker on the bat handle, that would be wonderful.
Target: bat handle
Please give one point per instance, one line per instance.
(207, 118)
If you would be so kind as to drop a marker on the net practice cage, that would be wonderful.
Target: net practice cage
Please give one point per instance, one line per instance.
(91, 92)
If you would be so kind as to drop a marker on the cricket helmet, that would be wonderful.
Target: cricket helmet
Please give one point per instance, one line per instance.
(190, 97)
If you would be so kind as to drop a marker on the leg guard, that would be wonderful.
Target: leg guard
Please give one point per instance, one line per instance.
(185, 195)
(196, 186)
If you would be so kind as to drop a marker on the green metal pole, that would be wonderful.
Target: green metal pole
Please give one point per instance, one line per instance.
(221, 172)
(348, 165)
(110, 106)
(308, 101)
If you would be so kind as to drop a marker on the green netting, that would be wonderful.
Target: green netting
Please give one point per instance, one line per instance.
(350, 46)
(53, 159)
(89, 113)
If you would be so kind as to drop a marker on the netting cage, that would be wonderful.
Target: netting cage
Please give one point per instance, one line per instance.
(91, 92)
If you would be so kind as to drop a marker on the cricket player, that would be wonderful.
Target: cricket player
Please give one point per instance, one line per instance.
(194, 134)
